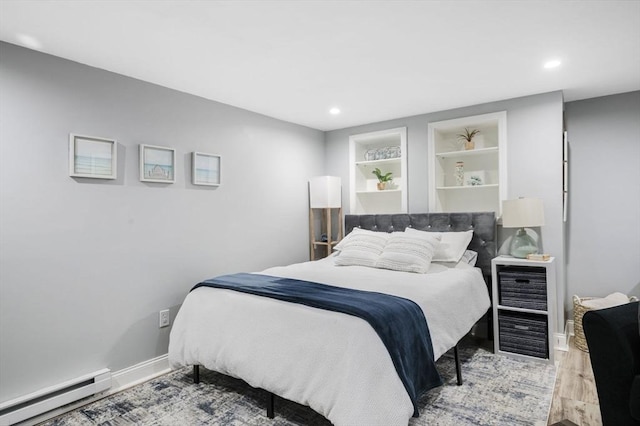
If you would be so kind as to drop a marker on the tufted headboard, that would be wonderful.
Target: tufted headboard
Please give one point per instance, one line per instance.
(482, 223)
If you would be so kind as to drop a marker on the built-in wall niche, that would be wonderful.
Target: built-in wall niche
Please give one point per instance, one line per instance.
(386, 151)
(463, 179)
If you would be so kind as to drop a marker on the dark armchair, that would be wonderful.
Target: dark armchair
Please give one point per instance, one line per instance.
(614, 348)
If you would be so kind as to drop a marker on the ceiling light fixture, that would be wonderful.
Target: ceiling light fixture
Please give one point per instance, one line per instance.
(552, 64)
(334, 111)
(29, 41)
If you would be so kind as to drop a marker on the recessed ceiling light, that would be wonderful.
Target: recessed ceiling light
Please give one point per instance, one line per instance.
(29, 41)
(334, 111)
(552, 64)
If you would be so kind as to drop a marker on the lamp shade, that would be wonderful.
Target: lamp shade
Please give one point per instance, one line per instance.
(325, 192)
(523, 212)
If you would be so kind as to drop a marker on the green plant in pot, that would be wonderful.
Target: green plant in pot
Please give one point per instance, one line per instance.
(467, 137)
(382, 178)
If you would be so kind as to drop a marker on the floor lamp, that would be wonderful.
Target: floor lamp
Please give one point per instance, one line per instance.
(325, 194)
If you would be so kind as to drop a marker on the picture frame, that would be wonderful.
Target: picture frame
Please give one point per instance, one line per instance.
(92, 157)
(205, 169)
(157, 164)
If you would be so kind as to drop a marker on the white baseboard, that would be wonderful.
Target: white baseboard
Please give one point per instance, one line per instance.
(139, 373)
(120, 380)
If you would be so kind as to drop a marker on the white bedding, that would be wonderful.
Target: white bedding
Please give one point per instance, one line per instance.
(334, 363)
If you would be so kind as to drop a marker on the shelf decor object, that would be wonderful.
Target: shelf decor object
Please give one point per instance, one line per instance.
(157, 164)
(467, 137)
(370, 155)
(205, 169)
(325, 194)
(474, 178)
(460, 173)
(522, 213)
(92, 157)
(383, 178)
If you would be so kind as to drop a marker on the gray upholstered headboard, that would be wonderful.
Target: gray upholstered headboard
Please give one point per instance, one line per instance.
(482, 223)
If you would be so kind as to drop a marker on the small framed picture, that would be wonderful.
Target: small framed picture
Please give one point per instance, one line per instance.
(205, 169)
(157, 164)
(92, 157)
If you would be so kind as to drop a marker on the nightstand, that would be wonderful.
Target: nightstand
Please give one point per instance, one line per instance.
(524, 300)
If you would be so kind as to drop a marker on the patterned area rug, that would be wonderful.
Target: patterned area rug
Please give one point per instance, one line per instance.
(497, 391)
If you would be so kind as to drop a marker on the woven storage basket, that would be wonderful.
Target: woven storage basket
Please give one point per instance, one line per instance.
(578, 311)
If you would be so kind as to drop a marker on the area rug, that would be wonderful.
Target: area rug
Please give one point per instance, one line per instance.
(497, 391)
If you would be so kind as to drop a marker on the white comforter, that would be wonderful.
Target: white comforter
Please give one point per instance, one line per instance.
(334, 363)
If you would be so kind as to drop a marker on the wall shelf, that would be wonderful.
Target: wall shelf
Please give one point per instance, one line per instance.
(486, 163)
(364, 196)
(468, 153)
(380, 192)
(463, 187)
(375, 163)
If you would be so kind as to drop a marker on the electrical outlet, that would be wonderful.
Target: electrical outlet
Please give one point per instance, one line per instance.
(165, 319)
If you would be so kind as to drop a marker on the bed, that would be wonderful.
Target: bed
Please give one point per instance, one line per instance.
(333, 362)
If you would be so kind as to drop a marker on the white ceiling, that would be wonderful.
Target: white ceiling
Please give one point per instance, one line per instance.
(375, 60)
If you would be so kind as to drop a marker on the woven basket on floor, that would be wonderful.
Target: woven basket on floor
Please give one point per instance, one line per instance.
(578, 311)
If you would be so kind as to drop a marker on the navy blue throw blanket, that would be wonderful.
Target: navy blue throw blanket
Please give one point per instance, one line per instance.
(399, 322)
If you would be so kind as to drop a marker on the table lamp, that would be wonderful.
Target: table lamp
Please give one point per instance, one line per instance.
(521, 213)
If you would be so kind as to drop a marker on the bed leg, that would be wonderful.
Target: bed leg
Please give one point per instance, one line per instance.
(196, 374)
(270, 405)
(458, 369)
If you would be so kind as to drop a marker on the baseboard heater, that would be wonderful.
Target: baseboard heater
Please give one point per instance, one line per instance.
(47, 399)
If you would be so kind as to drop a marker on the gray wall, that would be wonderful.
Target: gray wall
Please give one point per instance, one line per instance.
(534, 157)
(603, 233)
(85, 264)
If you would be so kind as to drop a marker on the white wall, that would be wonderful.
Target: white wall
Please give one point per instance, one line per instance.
(603, 233)
(534, 157)
(85, 264)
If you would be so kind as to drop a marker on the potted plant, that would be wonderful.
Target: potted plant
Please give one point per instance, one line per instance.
(467, 137)
(382, 178)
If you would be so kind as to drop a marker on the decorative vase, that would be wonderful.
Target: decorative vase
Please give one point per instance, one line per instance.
(381, 185)
(459, 173)
(370, 155)
(468, 145)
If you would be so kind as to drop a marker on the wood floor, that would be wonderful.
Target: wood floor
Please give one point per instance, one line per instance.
(575, 397)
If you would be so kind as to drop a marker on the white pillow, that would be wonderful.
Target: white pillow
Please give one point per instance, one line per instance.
(350, 235)
(452, 244)
(408, 252)
(361, 247)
